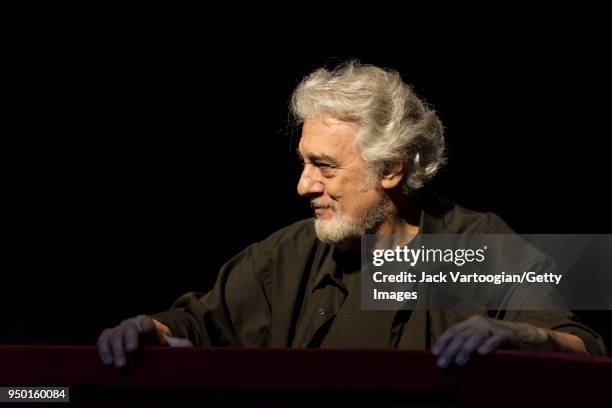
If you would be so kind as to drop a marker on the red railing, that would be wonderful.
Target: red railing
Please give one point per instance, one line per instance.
(505, 378)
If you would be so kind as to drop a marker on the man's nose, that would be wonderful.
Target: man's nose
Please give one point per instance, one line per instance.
(308, 185)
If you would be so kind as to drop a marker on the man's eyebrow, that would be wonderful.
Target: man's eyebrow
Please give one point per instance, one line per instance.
(322, 157)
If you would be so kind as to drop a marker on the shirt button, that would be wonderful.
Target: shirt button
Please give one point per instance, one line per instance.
(321, 312)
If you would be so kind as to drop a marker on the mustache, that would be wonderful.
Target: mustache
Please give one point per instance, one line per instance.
(321, 204)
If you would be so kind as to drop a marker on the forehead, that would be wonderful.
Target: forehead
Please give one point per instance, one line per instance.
(322, 135)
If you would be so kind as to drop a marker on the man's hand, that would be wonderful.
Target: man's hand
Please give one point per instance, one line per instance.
(485, 335)
(130, 334)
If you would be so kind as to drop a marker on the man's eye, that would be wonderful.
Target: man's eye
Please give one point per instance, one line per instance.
(326, 170)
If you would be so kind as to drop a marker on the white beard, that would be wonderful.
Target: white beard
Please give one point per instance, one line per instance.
(341, 228)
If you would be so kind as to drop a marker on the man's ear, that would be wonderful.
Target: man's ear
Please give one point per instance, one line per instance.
(392, 175)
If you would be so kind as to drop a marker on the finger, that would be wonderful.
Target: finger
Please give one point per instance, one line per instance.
(104, 350)
(130, 338)
(116, 342)
(144, 323)
(492, 343)
(468, 348)
(449, 353)
(148, 330)
(444, 340)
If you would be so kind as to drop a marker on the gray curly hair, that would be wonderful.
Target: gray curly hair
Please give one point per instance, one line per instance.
(395, 126)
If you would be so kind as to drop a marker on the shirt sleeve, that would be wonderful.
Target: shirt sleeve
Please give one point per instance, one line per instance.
(562, 321)
(543, 305)
(235, 312)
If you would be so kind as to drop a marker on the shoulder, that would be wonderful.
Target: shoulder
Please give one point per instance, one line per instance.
(284, 250)
(302, 230)
(459, 220)
(296, 238)
(442, 215)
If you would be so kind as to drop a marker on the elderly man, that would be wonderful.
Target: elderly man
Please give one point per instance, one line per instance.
(368, 145)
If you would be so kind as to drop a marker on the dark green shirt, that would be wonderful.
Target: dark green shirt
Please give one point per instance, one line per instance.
(292, 290)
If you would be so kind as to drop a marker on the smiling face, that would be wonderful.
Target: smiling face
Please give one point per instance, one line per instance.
(347, 198)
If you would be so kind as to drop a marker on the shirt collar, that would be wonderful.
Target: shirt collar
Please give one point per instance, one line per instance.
(432, 222)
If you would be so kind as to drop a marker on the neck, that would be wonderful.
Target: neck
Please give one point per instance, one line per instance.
(405, 220)
(397, 225)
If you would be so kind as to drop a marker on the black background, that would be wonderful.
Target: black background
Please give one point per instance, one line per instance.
(141, 161)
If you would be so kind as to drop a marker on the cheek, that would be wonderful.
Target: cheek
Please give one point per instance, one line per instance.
(359, 201)
(334, 189)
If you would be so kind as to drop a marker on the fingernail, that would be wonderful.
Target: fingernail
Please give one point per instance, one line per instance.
(435, 351)
(119, 362)
(106, 360)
